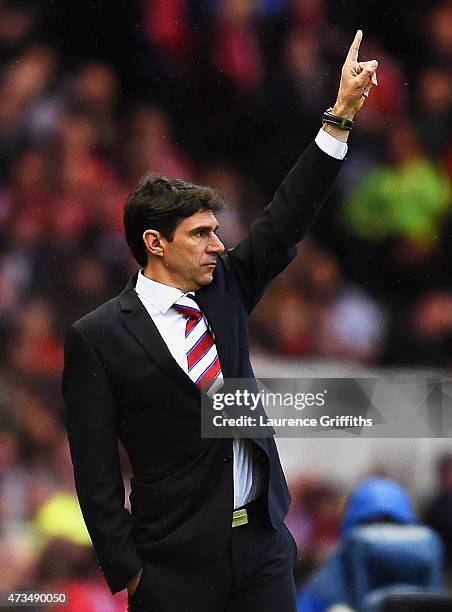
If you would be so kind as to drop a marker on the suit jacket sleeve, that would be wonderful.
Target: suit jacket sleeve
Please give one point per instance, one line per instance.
(270, 245)
(90, 424)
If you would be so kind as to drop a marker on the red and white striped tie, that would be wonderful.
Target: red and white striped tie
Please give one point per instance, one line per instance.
(202, 358)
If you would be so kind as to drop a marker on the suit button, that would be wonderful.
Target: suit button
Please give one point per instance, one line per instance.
(227, 458)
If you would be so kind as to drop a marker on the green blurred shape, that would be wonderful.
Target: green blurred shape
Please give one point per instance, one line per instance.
(410, 201)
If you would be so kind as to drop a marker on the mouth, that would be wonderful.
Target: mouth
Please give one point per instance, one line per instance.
(210, 265)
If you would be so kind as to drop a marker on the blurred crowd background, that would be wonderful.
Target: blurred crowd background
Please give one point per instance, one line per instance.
(93, 95)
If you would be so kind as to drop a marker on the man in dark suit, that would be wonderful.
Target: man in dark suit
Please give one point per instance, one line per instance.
(206, 530)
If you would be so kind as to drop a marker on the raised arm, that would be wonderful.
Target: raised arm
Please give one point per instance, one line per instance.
(270, 245)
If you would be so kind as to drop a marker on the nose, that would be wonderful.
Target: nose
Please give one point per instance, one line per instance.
(215, 245)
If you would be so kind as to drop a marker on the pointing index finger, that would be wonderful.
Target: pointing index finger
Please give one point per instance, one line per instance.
(352, 55)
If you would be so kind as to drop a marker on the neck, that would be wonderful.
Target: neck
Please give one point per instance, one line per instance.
(164, 277)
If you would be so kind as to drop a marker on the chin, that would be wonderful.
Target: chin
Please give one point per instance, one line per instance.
(206, 279)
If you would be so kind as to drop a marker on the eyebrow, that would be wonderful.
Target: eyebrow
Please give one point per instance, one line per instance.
(204, 227)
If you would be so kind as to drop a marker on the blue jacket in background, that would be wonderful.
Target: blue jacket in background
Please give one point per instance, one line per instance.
(372, 500)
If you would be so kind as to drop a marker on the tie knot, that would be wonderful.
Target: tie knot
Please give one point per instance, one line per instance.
(189, 311)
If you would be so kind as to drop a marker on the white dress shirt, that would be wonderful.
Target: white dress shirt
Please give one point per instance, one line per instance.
(158, 300)
(330, 145)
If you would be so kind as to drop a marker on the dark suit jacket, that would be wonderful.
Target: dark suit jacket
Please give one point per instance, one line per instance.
(120, 381)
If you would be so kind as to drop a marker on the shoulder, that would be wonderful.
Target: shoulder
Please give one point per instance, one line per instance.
(99, 320)
(224, 277)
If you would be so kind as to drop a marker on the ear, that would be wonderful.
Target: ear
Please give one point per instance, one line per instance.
(153, 241)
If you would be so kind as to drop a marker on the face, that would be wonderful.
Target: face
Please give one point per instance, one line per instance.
(190, 258)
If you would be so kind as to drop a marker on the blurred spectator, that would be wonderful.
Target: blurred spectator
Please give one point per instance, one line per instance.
(309, 15)
(235, 46)
(441, 34)
(312, 294)
(314, 522)
(24, 80)
(409, 199)
(16, 26)
(168, 29)
(36, 352)
(423, 333)
(150, 147)
(67, 567)
(375, 502)
(434, 115)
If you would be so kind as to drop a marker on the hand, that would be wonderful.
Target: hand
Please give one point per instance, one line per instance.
(133, 583)
(357, 79)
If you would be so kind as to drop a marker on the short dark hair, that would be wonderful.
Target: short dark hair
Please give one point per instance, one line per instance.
(161, 203)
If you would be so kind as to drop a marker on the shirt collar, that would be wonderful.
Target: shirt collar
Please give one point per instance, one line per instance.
(161, 296)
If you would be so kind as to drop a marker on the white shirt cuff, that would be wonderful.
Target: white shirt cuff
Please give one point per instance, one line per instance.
(330, 145)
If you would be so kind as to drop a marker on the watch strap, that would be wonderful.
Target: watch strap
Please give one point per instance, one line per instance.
(341, 122)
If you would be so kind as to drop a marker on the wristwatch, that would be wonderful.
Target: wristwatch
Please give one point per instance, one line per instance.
(341, 122)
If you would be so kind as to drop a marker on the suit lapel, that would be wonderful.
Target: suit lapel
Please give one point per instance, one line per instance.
(140, 325)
